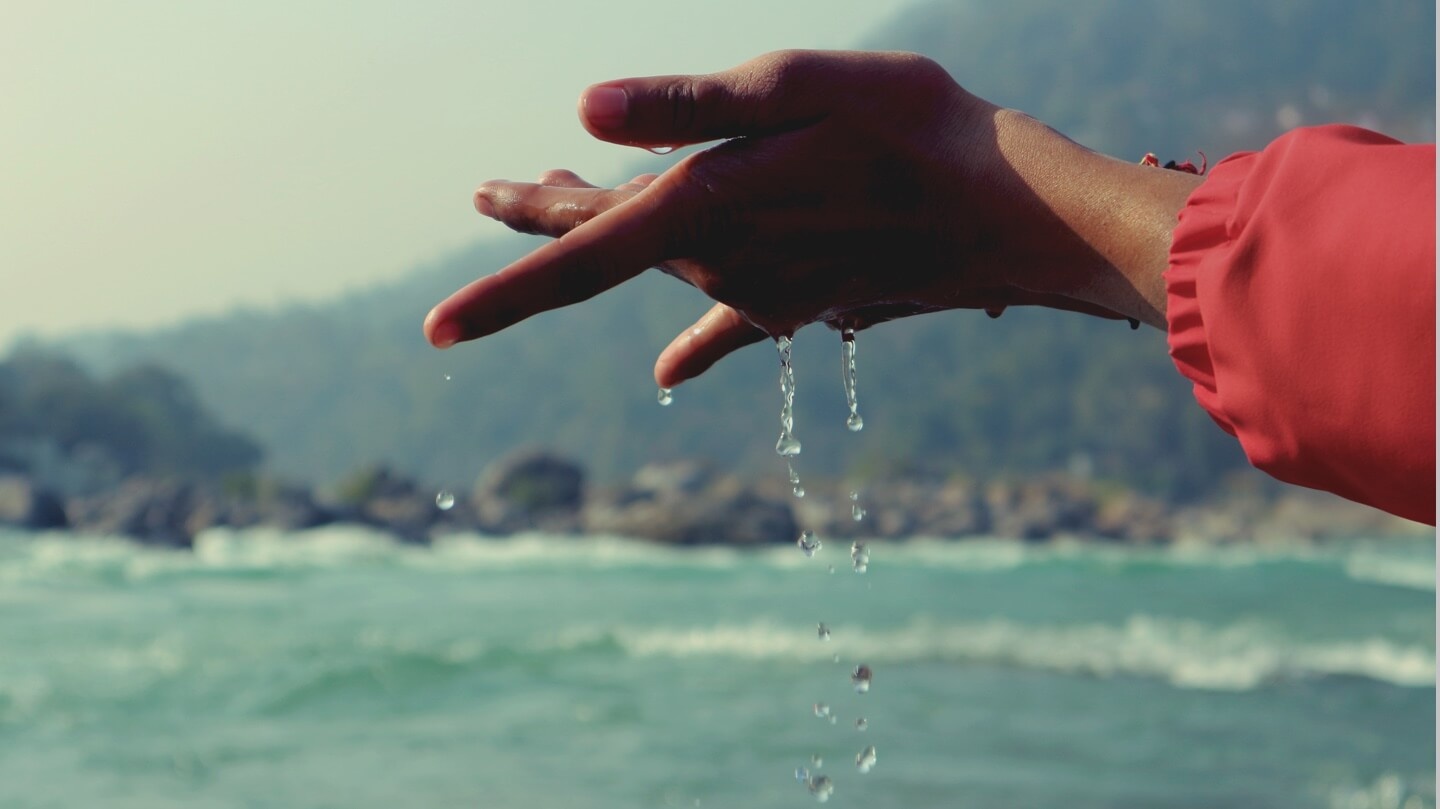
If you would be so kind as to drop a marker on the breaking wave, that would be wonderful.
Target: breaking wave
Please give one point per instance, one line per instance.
(1186, 654)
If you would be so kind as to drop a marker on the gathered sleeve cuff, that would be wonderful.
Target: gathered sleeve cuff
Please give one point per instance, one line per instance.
(1301, 307)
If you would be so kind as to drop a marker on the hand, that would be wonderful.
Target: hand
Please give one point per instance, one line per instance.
(857, 188)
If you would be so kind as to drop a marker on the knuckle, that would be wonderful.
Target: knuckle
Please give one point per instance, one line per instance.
(782, 70)
(679, 101)
(708, 219)
(920, 69)
(556, 176)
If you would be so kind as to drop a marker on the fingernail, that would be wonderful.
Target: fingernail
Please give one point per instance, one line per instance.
(445, 335)
(605, 107)
(484, 205)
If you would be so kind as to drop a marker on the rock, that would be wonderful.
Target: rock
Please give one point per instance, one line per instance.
(287, 508)
(409, 518)
(530, 491)
(675, 478)
(1131, 518)
(25, 504)
(727, 512)
(1037, 510)
(150, 511)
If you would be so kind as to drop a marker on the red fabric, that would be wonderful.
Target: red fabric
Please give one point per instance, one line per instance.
(1302, 307)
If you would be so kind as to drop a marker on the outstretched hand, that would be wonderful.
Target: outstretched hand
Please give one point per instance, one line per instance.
(853, 188)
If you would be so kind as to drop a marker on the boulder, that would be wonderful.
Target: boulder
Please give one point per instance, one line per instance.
(1040, 509)
(150, 511)
(530, 491)
(727, 512)
(26, 504)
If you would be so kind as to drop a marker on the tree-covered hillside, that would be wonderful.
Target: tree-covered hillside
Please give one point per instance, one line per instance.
(77, 432)
(328, 388)
(1172, 77)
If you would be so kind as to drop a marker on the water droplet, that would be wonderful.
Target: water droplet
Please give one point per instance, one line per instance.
(860, 678)
(798, 491)
(859, 555)
(854, 495)
(861, 724)
(866, 759)
(444, 500)
(794, 476)
(821, 710)
(817, 761)
(821, 787)
(808, 543)
(787, 446)
(661, 150)
(857, 513)
(822, 631)
(664, 397)
(447, 377)
(832, 570)
(802, 775)
(847, 375)
(833, 718)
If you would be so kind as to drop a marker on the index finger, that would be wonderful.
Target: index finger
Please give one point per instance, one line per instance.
(602, 253)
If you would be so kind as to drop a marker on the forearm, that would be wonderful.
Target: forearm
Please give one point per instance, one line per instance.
(1104, 225)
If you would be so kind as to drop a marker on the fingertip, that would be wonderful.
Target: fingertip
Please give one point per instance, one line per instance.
(483, 205)
(604, 107)
(440, 332)
(669, 366)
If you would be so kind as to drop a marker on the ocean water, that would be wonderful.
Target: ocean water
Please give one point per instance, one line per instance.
(335, 669)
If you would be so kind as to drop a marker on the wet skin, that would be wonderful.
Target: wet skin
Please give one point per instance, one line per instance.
(849, 189)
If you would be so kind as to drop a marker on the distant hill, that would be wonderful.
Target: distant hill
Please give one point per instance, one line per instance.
(327, 388)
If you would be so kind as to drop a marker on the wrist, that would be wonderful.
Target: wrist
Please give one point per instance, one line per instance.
(1083, 225)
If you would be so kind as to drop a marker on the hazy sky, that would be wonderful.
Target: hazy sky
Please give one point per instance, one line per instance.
(166, 158)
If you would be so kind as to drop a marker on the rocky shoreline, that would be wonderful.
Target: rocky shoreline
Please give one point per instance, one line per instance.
(687, 503)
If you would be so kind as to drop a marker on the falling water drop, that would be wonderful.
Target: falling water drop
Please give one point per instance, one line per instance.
(802, 774)
(447, 377)
(821, 710)
(788, 446)
(861, 724)
(847, 347)
(664, 397)
(661, 150)
(795, 487)
(822, 631)
(860, 678)
(859, 556)
(808, 543)
(866, 759)
(445, 500)
(821, 787)
(817, 761)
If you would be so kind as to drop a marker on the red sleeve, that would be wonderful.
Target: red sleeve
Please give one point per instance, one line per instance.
(1302, 307)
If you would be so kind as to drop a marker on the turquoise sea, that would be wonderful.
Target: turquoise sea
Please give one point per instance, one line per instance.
(336, 669)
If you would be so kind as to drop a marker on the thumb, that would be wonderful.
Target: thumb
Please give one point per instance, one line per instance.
(773, 93)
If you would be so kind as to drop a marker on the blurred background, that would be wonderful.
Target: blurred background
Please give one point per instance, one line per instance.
(222, 226)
